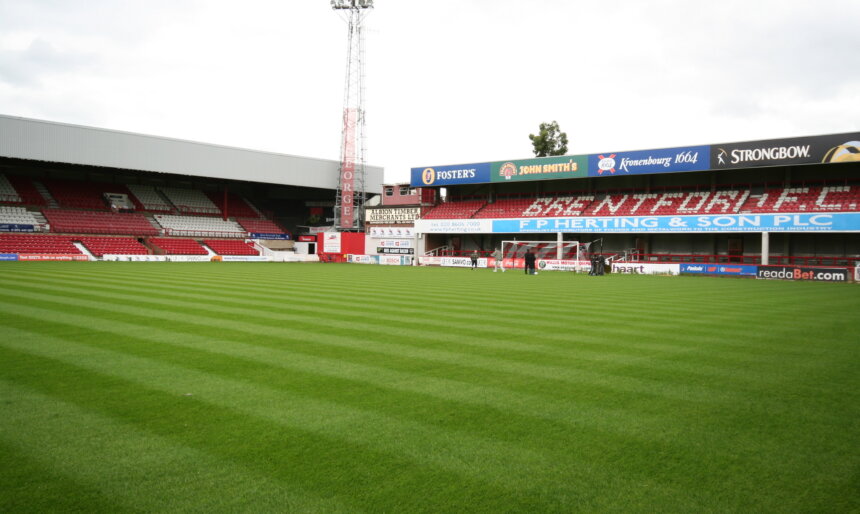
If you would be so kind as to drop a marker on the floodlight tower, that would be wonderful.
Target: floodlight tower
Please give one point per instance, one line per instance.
(349, 203)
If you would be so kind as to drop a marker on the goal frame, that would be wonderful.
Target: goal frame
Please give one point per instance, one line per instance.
(514, 249)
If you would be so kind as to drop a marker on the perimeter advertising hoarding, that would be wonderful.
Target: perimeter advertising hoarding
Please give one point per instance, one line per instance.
(729, 223)
(14, 227)
(664, 160)
(720, 269)
(804, 273)
(543, 168)
(834, 148)
(451, 175)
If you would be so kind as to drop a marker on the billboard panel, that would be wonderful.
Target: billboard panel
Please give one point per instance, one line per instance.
(834, 148)
(804, 273)
(664, 160)
(478, 173)
(720, 269)
(542, 168)
(729, 223)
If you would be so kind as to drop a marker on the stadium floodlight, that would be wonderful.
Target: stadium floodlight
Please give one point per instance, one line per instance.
(351, 195)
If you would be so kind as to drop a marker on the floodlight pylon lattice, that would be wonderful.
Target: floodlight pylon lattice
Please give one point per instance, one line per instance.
(350, 198)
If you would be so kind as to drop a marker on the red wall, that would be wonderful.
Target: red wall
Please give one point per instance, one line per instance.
(350, 242)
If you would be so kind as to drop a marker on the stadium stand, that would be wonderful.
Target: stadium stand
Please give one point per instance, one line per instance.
(191, 201)
(27, 190)
(17, 216)
(26, 243)
(7, 191)
(805, 199)
(528, 207)
(91, 195)
(172, 246)
(260, 226)
(231, 247)
(149, 198)
(455, 209)
(101, 246)
(237, 207)
(94, 222)
(843, 198)
(199, 226)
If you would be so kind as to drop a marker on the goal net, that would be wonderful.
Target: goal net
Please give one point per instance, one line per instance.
(552, 255)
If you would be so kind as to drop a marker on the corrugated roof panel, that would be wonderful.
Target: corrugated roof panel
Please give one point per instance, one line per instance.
(24, 138)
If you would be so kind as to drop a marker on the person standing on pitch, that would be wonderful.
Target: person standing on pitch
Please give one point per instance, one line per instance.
(499, 261)
(530, 262)
(474, 257)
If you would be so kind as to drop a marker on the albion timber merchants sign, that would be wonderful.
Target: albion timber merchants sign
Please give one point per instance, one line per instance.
(400, 215)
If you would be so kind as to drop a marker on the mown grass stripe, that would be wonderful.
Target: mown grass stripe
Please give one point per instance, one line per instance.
(148, 473)
(679, 391)
(470, 459)
(647, 334)
(772, 365)
(491, 341)
(494, 341)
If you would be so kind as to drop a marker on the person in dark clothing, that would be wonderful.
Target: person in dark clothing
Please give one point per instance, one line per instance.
(530, 263)
(474, 258)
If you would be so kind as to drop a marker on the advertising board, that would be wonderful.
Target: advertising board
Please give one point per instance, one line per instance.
(392, 215)
(245, 258)
(562, 265)
(857, 274)
(8, 256)
(833, 148)
(806, 222)
(804, 273)
(331, 242)
(462, 262)
(393, 260)
(262, 235)
(663, 160)
(543, 168)
(394, 251)
(16, 227)
(136, 258)
(360, 259)
(478, 173)
(719, 269)
(635, 268)
(395, 243)
(476, 226)
(51, 257)
(391, 232)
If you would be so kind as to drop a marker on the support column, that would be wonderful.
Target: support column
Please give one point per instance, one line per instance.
(765, 248)
(558, 250)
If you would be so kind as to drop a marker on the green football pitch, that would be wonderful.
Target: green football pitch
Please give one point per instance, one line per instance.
(264, 387)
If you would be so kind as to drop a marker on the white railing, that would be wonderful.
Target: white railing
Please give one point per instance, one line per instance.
(435, 252)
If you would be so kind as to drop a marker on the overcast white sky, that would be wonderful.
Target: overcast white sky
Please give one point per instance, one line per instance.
(448, 81)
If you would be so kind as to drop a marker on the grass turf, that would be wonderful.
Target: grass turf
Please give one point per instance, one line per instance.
(348, 388)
